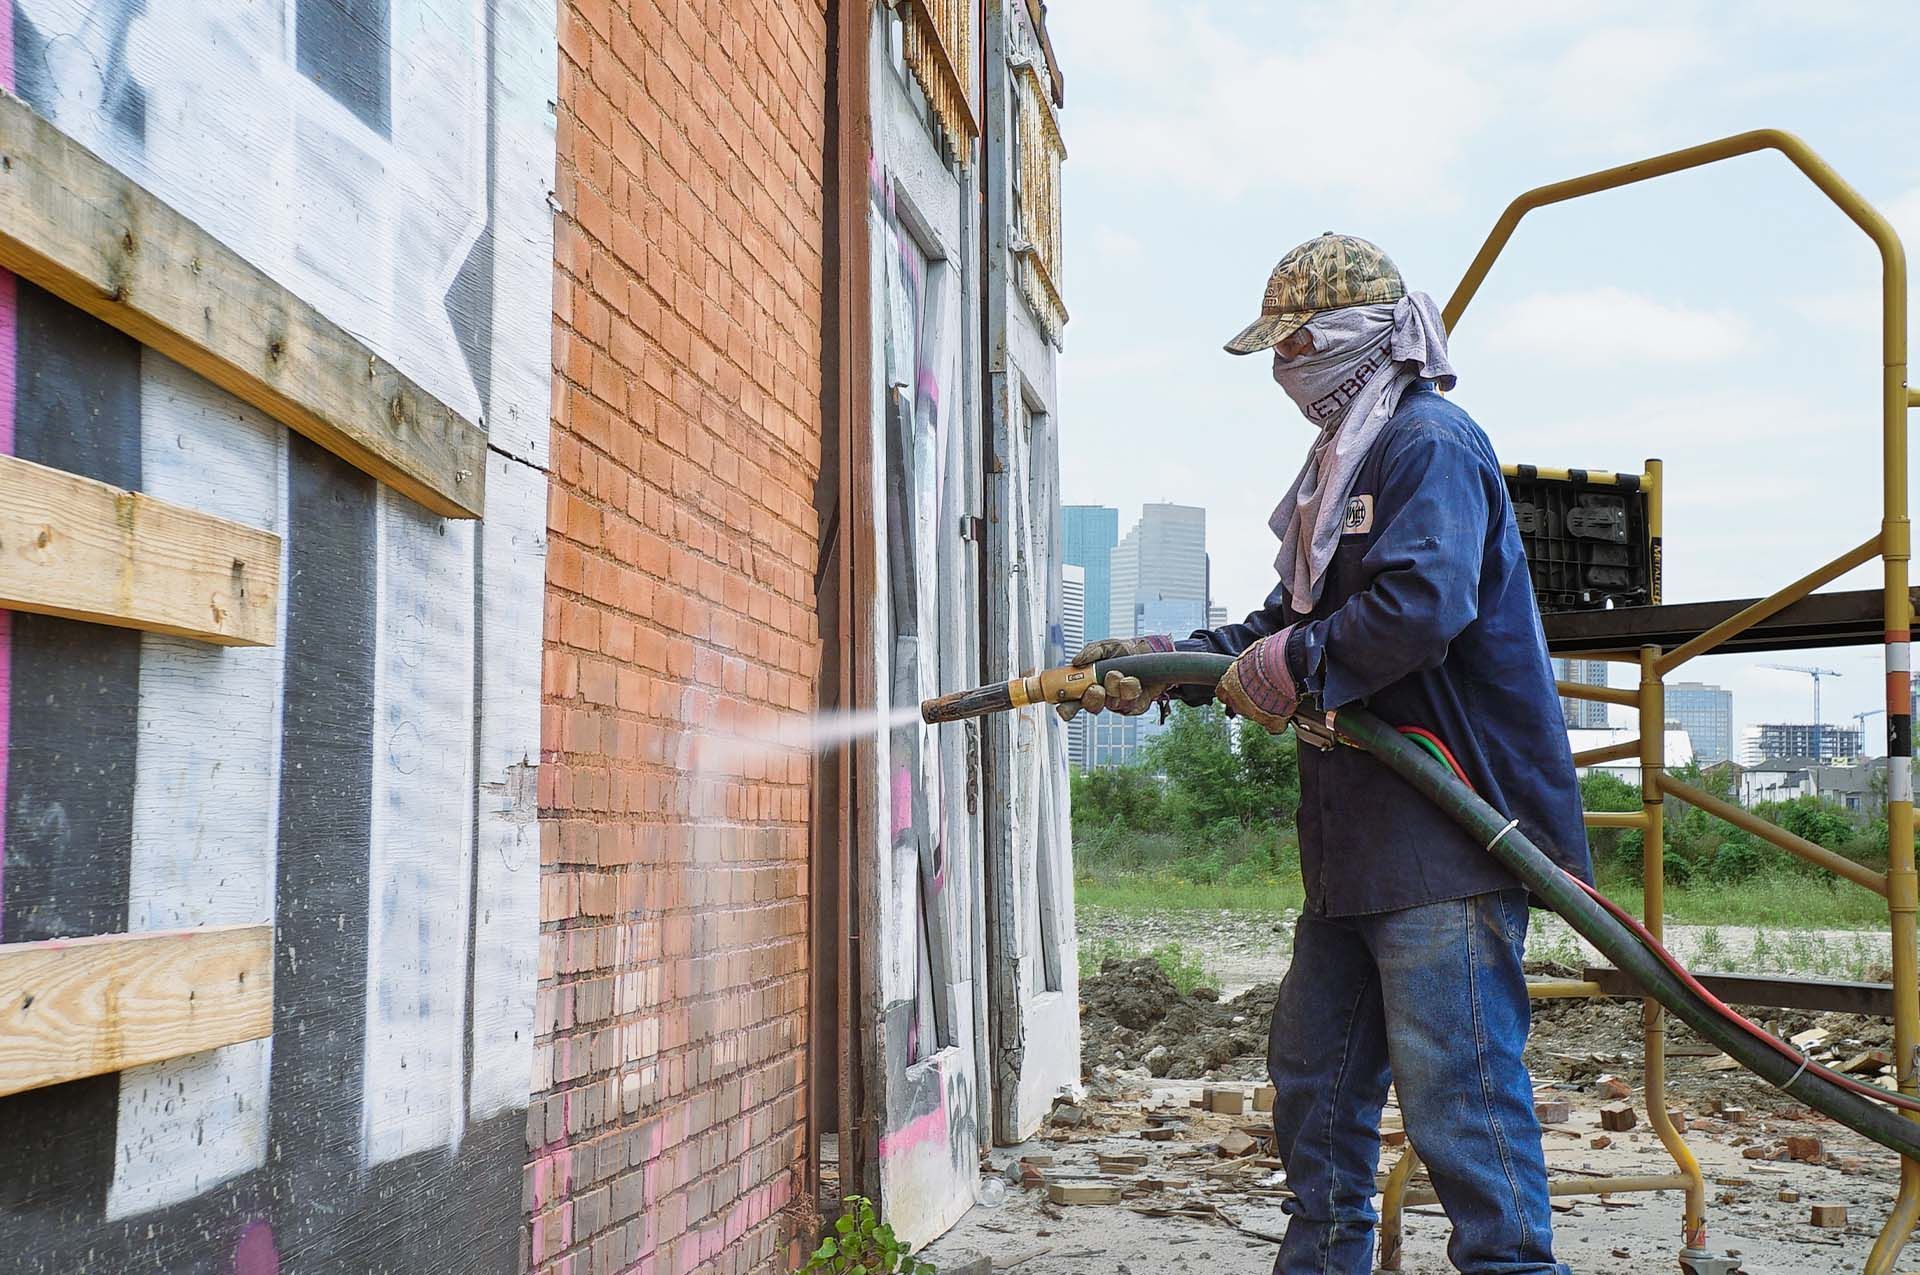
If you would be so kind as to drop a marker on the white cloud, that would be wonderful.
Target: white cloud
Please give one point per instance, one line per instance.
(1603, 327)
(1213, 108)
(1904, 212)
(1229, 100)
(1113, 247)
(1856, 310)
(1608, 84)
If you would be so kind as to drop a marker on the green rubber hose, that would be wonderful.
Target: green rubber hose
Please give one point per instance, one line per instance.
(1553, 887)
(1176, 668)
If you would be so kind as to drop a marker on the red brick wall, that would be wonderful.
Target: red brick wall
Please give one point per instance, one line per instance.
(666, 1129)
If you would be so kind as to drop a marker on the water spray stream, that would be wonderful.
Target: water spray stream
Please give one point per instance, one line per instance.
(830, 730)
(747, 749)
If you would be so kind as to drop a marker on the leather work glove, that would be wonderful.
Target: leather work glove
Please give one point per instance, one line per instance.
(1258, 685)
(1119, 693)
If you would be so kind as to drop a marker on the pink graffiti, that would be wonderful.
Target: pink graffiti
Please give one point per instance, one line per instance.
(931, 1127)
(902, 800)
(256, 1253)
(553, 1176)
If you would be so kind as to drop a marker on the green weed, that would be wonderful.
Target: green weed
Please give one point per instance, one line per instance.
(1185, 968)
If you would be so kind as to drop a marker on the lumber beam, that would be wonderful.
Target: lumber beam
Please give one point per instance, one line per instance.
(71, 1008)
(87, 550)
(79, 228)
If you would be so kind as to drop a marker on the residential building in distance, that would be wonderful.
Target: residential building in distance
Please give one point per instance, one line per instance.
(1087, 535)
(1216, 616)
(1860, 787)
(1774, 741)
(1583, 714)
(1073, 635)
(1706, 714)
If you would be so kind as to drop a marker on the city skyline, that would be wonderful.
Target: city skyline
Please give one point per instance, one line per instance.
(1713, 725)
(1156, 578)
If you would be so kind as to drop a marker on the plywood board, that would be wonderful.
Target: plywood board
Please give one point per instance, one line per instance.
(506, 869)
(78, 227)
(82, 1007)
(420, 873)
(87, 550)
(205, 798)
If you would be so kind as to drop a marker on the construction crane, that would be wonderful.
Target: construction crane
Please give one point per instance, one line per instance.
(1819, 743)
(1860, 724)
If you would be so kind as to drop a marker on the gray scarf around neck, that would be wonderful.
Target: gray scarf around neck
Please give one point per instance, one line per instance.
(1364, 359)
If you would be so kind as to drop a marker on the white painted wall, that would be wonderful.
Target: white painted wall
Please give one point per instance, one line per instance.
(206, 797)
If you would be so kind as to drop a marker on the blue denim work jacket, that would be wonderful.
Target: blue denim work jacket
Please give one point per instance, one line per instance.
(1427, 617)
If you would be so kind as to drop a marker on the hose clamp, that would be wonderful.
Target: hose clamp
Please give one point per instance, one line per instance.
(1314, 726)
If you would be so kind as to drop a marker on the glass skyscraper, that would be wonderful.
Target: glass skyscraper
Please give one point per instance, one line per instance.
(1088, 535)
(1706, 714)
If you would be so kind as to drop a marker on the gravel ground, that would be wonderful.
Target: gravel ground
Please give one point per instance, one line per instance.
(1582, 1052)
(1149, 1230)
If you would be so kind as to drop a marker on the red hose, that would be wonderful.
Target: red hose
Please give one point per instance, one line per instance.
(1681, 972)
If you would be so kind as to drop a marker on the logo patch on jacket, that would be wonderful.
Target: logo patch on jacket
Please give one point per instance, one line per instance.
(1359, 517)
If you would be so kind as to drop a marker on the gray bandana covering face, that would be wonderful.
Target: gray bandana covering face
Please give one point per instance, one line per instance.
(1364, 358)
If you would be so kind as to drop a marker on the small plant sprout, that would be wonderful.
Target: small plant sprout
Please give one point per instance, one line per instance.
(1710, 949)
(861, 1244)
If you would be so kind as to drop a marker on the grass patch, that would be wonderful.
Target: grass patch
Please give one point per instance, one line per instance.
(1783, 901)
(1137, 892)
(1226, 868)
(1855, 956)
(1183, 967)
(1778, 900)
(1860, 955)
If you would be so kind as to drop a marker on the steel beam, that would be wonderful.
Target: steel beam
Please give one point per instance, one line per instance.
(1815, 995)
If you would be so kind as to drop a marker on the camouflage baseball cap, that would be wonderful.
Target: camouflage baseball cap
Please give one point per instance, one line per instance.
(1324, 273)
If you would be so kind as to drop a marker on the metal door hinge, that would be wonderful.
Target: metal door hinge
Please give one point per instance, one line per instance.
(973, 528)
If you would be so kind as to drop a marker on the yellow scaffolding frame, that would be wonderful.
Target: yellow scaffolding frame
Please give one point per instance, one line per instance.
(1899, 885)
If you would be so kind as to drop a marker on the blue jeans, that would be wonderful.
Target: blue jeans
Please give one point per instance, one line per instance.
(1432, 998)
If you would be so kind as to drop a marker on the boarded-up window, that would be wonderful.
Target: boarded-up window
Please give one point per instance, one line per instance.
(1038, 152)
(939, 52)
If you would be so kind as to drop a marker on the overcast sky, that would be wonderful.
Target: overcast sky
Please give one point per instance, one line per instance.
(1724, 320)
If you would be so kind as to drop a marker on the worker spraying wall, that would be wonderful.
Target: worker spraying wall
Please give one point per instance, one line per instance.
(1285, 654)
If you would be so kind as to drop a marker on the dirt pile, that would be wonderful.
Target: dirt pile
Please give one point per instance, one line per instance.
(1132, 1015)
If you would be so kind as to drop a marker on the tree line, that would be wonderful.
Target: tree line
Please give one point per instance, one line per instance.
(1211, 800)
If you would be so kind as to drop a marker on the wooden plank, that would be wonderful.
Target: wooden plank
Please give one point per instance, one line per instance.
(87, 550)
(80, 1007)
(79, 228)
